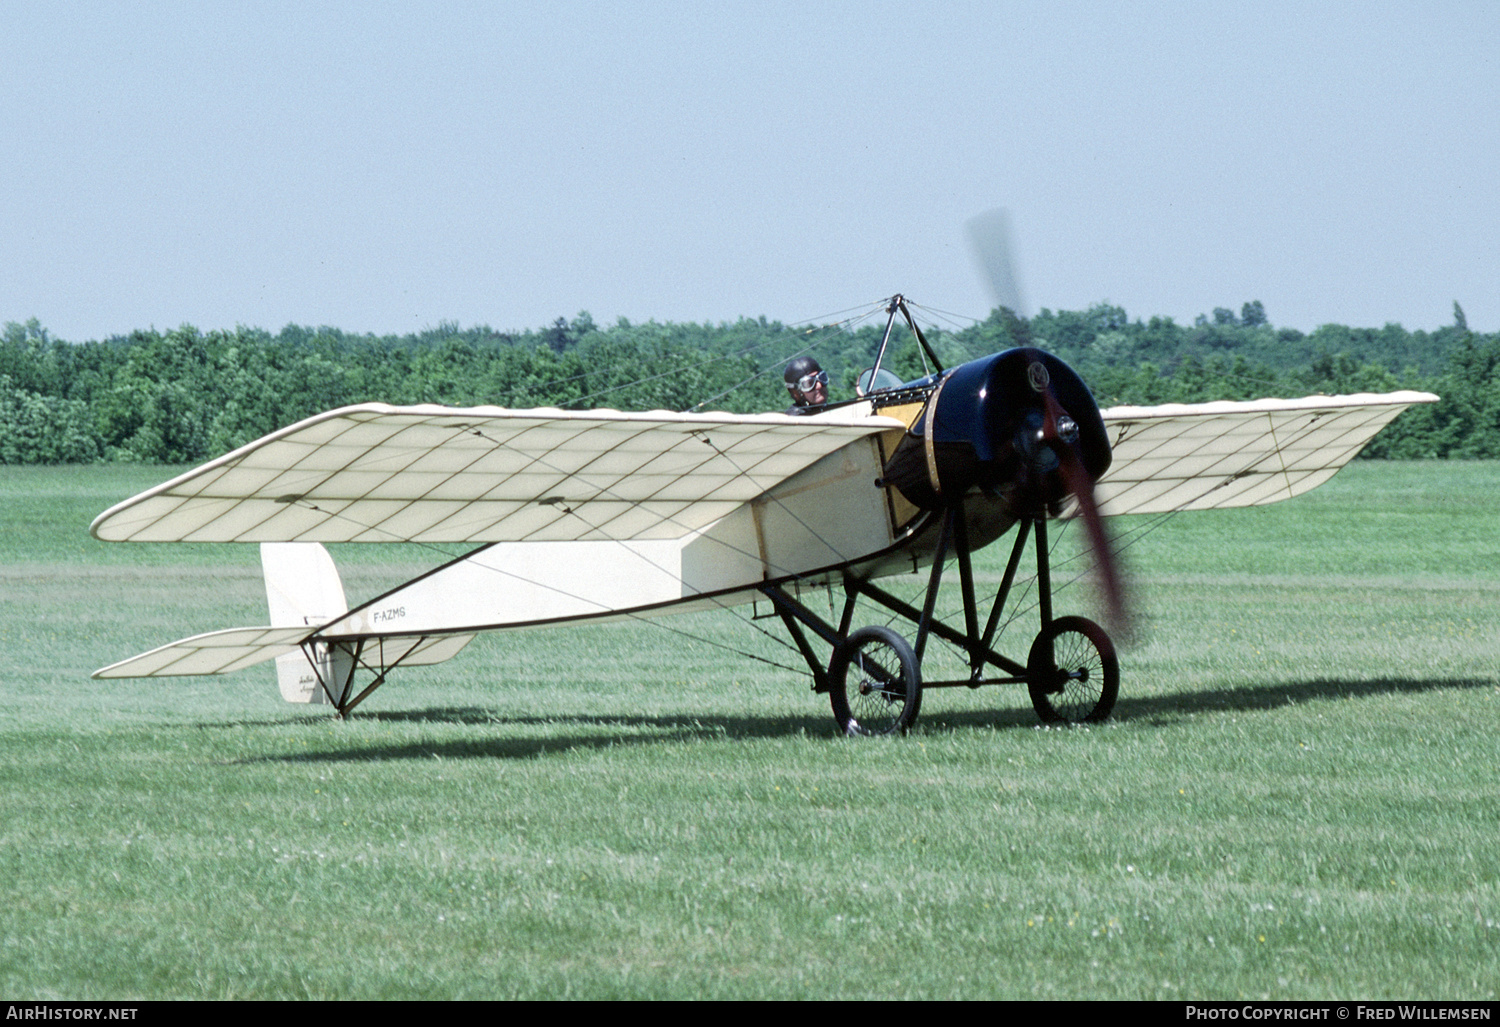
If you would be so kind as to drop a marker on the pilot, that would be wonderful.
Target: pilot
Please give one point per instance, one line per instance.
(808, 384)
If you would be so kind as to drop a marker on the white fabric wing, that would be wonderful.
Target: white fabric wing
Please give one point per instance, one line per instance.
(378, 473)
(1206, 456)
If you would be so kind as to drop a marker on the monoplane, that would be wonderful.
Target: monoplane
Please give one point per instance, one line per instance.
(586, 516)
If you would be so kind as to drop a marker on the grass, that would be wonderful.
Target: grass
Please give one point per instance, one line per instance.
(1296, 798)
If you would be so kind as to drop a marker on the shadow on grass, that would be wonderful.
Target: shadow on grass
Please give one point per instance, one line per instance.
(1168, 709)
(1178, 706)
(607, 731)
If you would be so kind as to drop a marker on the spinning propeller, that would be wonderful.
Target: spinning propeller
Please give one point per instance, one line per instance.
(1070, 430)
(1060, 435)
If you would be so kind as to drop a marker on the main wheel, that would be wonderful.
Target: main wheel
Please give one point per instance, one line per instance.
(1072, 672)
(875, 685)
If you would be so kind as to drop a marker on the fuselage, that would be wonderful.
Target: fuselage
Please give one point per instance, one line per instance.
(869, 509)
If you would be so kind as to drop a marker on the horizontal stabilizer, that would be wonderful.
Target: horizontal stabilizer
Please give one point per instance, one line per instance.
(217, 652)
(387, 651)
(220, 652)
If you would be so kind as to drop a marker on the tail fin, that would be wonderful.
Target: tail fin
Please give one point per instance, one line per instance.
(303, 589)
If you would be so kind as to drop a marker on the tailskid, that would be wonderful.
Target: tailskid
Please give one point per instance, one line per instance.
(336, 664)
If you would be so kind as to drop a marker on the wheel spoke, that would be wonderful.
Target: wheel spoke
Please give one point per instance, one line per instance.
(874, 683)
(1074, 675)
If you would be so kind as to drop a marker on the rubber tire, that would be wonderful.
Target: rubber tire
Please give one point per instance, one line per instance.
(883, 711)
(1059, 697)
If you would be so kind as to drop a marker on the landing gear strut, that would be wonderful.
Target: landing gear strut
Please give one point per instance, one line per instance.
(874, 679)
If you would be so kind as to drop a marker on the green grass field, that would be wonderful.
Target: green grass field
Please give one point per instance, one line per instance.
(1298, 795)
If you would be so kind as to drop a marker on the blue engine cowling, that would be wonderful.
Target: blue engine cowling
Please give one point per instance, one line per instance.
(983, 428)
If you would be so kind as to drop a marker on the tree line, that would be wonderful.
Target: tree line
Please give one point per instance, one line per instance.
(184, 395)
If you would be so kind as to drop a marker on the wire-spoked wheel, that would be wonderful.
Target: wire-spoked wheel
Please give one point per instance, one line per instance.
(875, 685)
(1072, 672)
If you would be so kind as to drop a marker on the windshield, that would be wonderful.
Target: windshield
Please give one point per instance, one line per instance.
(882, 380)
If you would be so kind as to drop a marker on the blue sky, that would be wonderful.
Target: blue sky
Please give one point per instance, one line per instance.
(386, 166)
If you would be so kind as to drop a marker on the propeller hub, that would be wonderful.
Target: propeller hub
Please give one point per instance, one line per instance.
(1067, 429)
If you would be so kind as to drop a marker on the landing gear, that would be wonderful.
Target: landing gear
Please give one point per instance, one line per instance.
(874, 683)
(1072, 672)
(874, 679)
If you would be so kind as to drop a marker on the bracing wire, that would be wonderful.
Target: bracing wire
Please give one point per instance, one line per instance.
(837, 321)
(815, 331)
(717, 600)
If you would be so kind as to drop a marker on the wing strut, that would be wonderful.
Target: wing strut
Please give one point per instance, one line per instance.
(978, 645)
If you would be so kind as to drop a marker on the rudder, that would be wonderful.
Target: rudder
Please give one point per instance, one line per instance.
(303, 589)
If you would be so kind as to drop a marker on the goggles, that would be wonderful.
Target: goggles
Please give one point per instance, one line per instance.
(808, 381)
